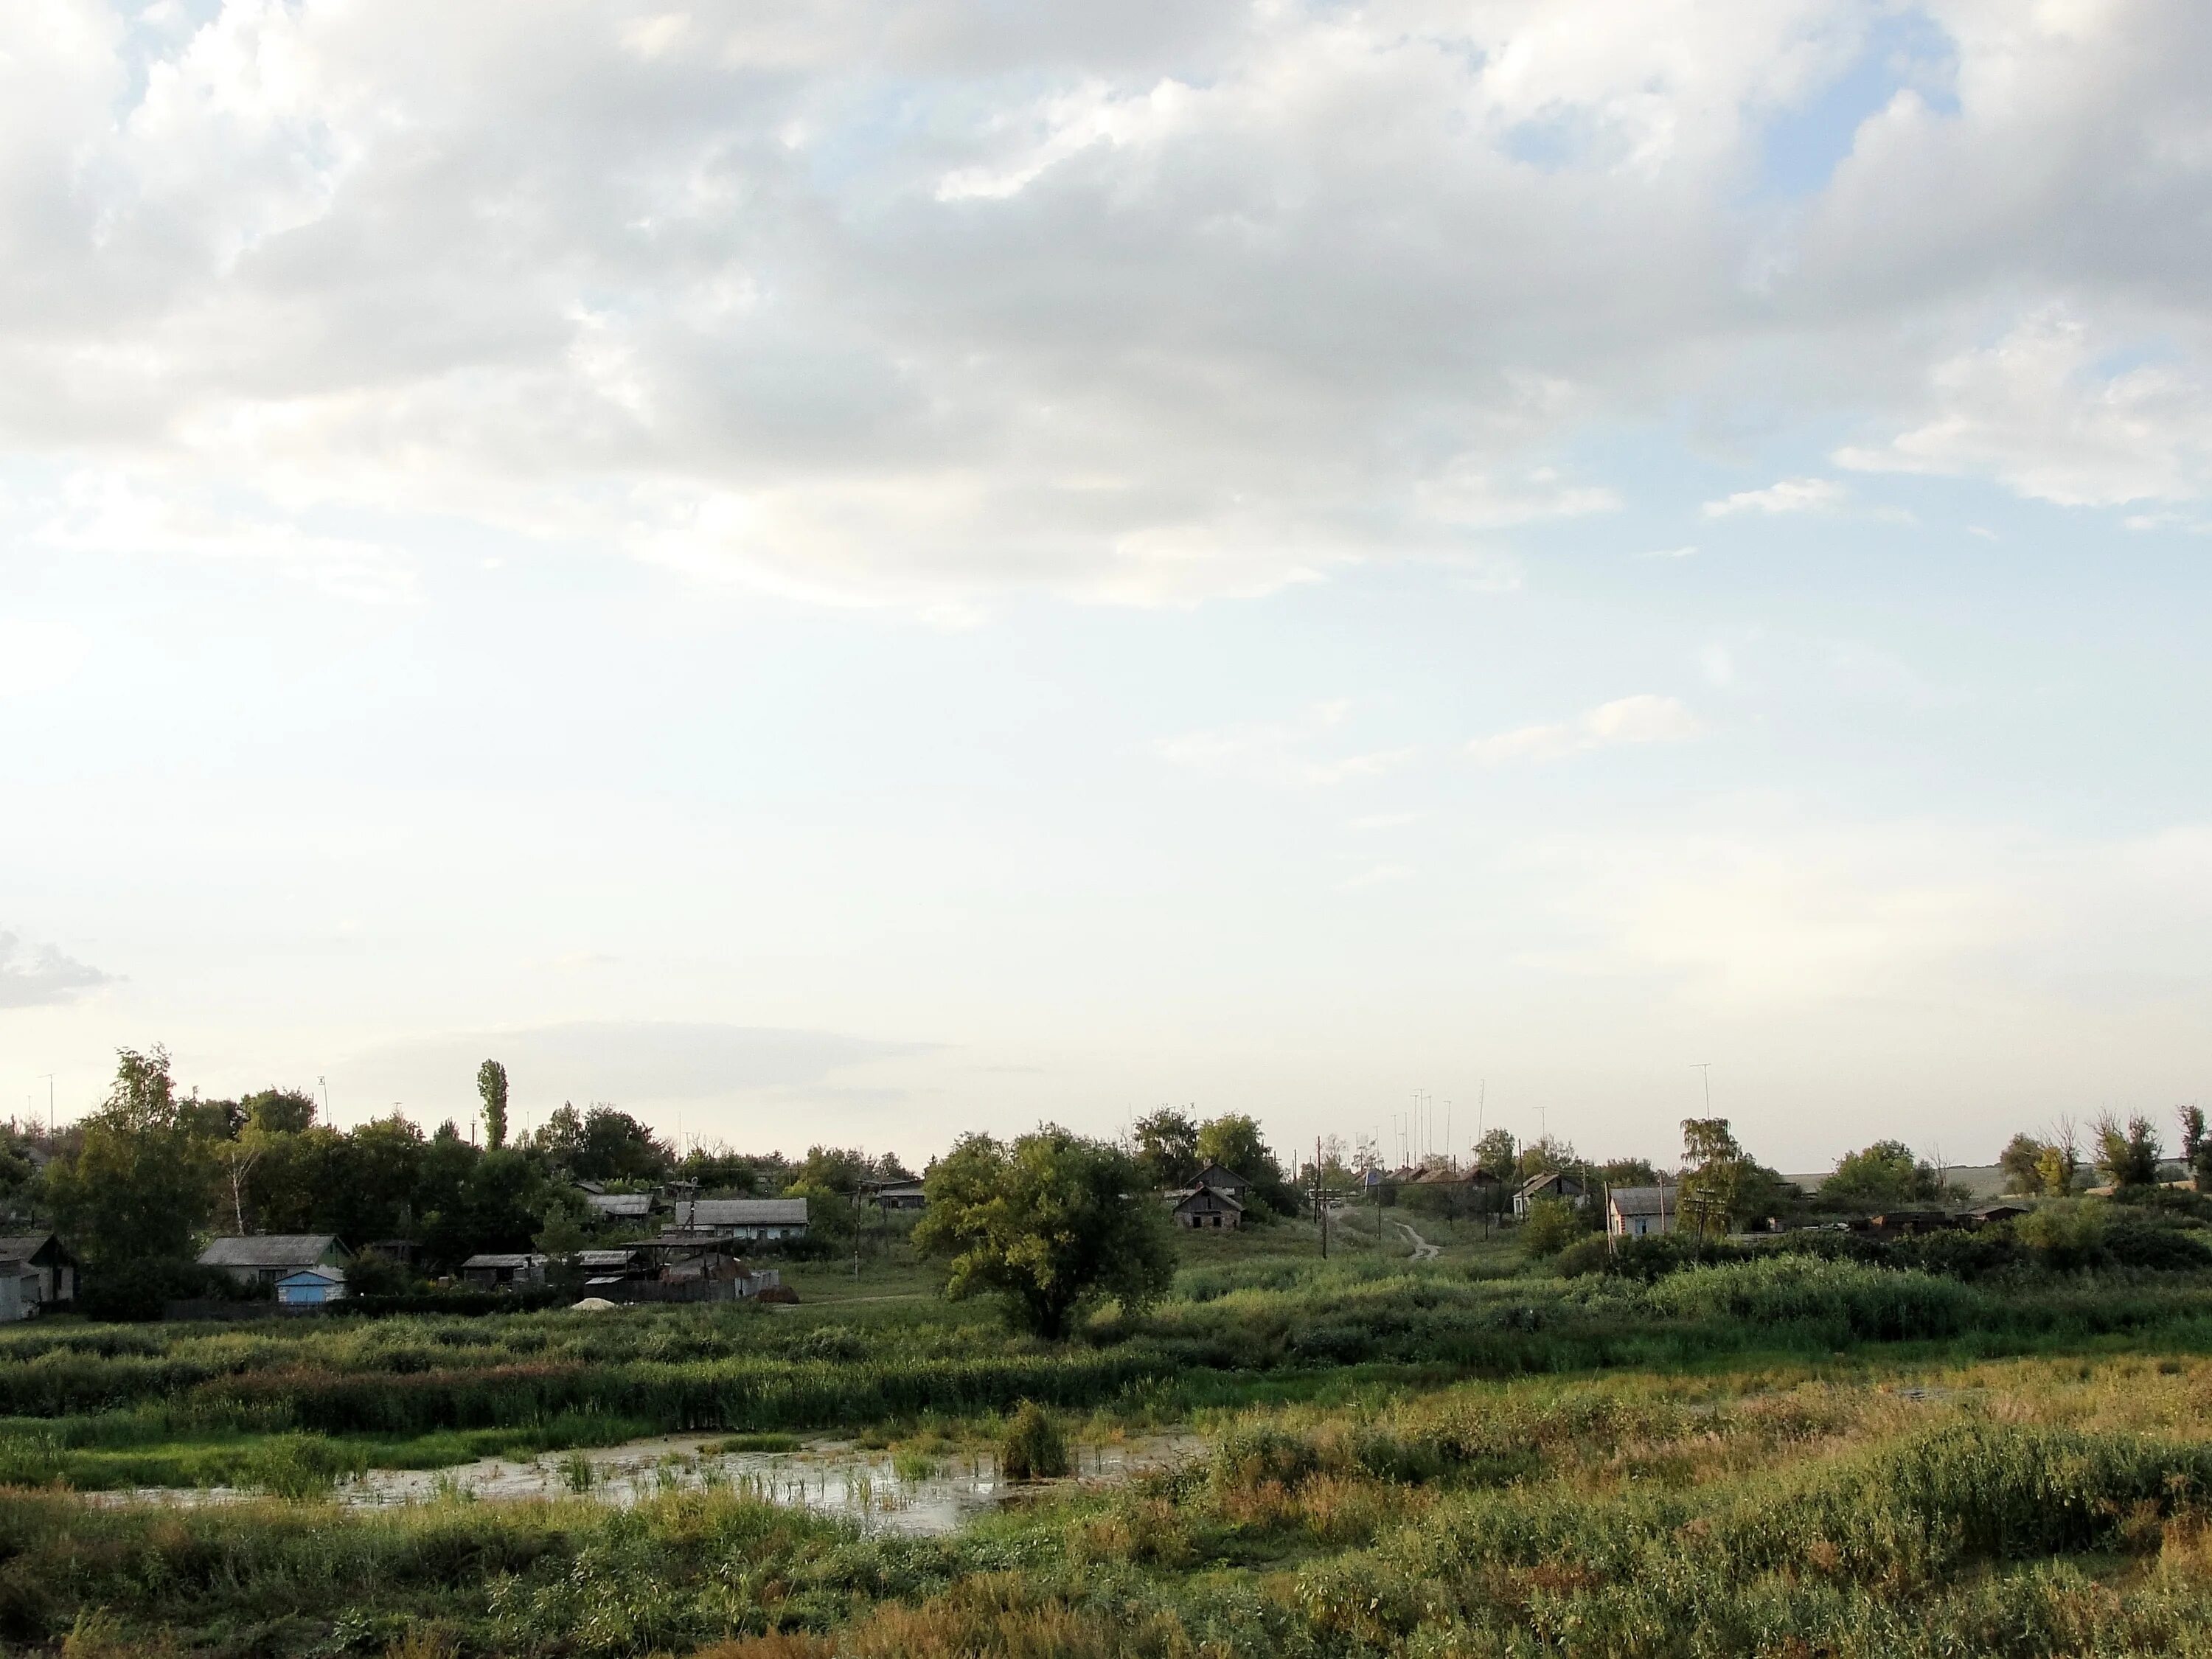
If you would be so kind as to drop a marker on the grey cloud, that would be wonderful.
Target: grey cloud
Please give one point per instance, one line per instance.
(33, 975)
(1149, 303)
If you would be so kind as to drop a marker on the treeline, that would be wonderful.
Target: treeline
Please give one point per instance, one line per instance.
(147, 1177)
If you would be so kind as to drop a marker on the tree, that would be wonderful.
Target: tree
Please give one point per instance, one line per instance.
(1628, 1172)
(1552, 1225)
(1721, 1185)
(1234, 1142)
(2128, 1155)
(1885, 1176)
(139, 1185)
(491, 1083)
(278, 1111)
(2022, 1161)
(1167, 1147)
(2191, 1120)
(1498, 1153)
(616, 1146)
(1048, 1225)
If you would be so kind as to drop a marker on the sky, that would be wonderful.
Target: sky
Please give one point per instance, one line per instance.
(855, 572)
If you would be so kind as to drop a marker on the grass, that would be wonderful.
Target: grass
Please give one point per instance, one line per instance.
(1790, 1456)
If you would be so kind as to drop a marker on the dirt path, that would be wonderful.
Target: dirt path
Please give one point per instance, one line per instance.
(1422, 1250)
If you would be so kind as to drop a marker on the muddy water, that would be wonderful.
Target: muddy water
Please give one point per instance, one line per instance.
(830, 1477)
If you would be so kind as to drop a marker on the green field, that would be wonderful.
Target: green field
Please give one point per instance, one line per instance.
(1792, 1456)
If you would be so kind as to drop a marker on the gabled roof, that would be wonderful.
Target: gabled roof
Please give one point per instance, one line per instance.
(327, 1275)
(506, 1259)
(1644, 1201)
(1215, 1176)
(599, 1261)
(1214, 1193)
(1536, 1183)
(622, 1204)
(270, 1250)
(741, 1212)
(23, 1246)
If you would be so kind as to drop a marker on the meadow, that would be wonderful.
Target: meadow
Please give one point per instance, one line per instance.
(1793, 1456)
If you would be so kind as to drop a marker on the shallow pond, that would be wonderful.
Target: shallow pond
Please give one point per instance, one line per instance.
(905, 1494)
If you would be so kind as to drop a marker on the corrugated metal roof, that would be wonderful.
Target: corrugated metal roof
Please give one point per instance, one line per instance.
(741, 1212)
(620, 1203)
(268, 1250)
(509, 1260)
(1645, 1201)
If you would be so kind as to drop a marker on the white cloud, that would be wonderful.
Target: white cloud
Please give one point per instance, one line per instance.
(1637, 720)
(1790, 495)
(1669, 553)
(2040, 412)
(32, 976)
(1143, 304)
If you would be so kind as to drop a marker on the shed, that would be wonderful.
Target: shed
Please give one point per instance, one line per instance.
(1227, 1183)
(19, 1292)
(1202, 1207)
(312, 1286)
(621, 1207)
(52, 1261)
(497, 1270)
(896, 1195)
(264, 1258)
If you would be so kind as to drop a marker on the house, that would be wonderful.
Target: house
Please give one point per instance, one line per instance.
(1227, 1183)
(310, 1288)
(1637, 1212)
(496, 1270)
(1566, 1184)
(49, 1259)
(1992, 1212)
(895, 1194)
(620, 1207)
(755, 1219)
(266, 1258)
(1202, 1207)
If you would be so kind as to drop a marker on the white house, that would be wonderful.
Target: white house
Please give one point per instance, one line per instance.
(1634, 1211)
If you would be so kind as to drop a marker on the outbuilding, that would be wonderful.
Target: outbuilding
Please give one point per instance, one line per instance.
(1202, 1207)
(49, 1260)
(500, 1270)
(310, 1288)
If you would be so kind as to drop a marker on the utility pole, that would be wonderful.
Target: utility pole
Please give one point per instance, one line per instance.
(50, 1109)
(1321, 1200)
(1704, 1069)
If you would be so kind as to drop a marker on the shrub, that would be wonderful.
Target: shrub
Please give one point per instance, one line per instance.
(2069, 1233)
(1867, 1302)
(1552, 1225)
(1032, 1447)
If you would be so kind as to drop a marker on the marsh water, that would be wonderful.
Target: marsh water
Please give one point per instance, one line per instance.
(906, 1493)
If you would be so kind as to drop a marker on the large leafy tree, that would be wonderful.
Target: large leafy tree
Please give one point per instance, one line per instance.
(2129, 1153)
(1047, 1224)
(1167, 1147)
(1235, 1143)
(1885, 1176)
(139, 1185)
(1722, 1186)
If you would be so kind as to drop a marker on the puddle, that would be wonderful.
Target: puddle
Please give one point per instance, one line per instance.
(830, 1477)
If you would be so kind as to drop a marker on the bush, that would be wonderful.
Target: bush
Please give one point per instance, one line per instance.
(1869, 1302)
(1552, 1225)
(135, 1291)
(1033, 1448)
(2069, 1233)
(1583, 1257)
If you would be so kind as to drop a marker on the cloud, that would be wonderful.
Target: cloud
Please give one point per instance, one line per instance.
(34, 975)
(1143, 304)
(1643, 719)
(1282, 754)
(2042, 412)
(1790, 495)
(1669, 553)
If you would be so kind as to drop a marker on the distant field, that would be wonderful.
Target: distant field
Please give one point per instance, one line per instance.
(1462, 1455)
